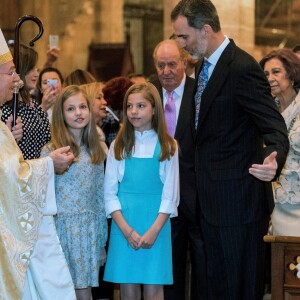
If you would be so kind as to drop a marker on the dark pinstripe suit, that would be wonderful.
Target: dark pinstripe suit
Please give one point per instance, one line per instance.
(185, 230)
(237, 116)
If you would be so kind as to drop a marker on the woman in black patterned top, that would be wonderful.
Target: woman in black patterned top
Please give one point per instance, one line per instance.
(36, 126)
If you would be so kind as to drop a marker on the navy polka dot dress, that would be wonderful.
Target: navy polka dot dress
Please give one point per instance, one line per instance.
(36, 128)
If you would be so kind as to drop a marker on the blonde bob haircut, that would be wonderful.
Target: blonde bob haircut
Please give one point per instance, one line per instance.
(92, 90)
(61, 135)
(125, 139)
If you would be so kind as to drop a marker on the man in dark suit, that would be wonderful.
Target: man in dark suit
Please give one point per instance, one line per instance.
(241, 146)
(170, 63)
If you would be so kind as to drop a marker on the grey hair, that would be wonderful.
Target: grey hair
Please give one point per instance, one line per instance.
(198, 13)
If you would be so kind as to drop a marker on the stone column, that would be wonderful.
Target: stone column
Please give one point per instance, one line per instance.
(168, 6)
(78, 23)
(109, 23)
(98, 21)
(237, 19)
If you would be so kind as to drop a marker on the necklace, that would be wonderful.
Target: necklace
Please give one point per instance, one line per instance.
(291, 125)
(283, 104)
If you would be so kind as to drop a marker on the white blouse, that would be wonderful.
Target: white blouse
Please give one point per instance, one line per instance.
(168, 172)
(287, 188)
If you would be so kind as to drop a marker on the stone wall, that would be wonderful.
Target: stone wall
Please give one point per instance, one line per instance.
(78, 23)
(81, 22)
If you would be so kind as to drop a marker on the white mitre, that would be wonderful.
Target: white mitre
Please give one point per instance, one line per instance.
(5, 55)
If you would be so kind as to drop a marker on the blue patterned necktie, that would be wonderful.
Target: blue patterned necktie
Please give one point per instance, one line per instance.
(202, 81)
(170, 114)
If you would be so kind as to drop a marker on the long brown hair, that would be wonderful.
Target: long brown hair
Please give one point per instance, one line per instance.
(28, 61)
(125, 139)
(61, 135)
(39, 94)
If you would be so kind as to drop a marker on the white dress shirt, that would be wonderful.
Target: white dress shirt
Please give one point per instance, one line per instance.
(213, 59)
(168, 172)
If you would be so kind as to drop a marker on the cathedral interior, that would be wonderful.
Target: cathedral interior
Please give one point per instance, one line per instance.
(110, 38)
(117, 37)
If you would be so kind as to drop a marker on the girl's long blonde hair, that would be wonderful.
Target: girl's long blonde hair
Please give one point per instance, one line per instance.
(61, 135)
(125, 139)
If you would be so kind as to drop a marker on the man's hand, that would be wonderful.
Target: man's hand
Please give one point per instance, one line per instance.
(17, 130)
(266, 171)
(62, 159)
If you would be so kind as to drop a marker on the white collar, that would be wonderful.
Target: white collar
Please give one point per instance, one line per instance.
(213, 59)
(178, 92)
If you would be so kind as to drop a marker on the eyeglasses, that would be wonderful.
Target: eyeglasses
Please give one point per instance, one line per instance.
(11, 73)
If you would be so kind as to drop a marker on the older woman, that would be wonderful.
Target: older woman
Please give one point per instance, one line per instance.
(282, 68)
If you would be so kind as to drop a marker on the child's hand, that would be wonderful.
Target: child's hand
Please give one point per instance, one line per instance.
(134, 239)
(148, 239)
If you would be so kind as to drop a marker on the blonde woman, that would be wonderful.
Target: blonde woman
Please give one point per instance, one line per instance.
(98, 108)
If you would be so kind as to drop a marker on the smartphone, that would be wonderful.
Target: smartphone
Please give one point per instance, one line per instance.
(53, 41)
(52, 82)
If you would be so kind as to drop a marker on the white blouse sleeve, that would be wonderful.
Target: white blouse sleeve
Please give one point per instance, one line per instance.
(169, 175)
(114, 173)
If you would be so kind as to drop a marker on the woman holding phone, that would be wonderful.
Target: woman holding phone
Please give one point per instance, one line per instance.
(48, 87)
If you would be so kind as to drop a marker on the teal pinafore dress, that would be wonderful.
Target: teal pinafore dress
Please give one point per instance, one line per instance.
(140, 195)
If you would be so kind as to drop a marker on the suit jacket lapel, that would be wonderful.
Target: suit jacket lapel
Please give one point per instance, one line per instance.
(215, 82)
(187, 109)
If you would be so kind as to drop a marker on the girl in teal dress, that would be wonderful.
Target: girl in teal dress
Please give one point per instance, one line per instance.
(141, 192)
(81, 223)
